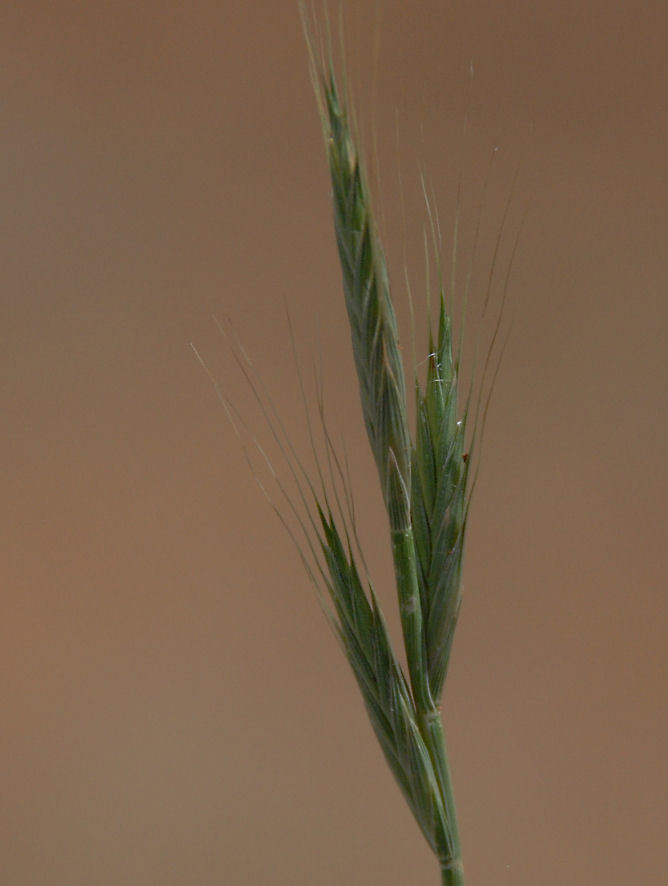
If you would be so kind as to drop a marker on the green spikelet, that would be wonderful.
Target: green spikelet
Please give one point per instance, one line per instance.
(361, 630)
(370, 312)
(379, 367)
(438, 502)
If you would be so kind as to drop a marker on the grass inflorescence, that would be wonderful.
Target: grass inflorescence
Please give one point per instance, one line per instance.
(424, 481)
(424, 468)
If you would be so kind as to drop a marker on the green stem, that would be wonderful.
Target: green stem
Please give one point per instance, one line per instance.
(452, 876)
(452, 871)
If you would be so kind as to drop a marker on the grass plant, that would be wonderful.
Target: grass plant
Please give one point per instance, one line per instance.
(424, 481)
(425, 474)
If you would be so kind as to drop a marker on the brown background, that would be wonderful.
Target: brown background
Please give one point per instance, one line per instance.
(174, 709)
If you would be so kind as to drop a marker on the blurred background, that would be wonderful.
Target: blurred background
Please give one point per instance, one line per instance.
(175, 709)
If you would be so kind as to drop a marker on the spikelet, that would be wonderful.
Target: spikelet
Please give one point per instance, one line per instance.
(370, 312)
(439, 501)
